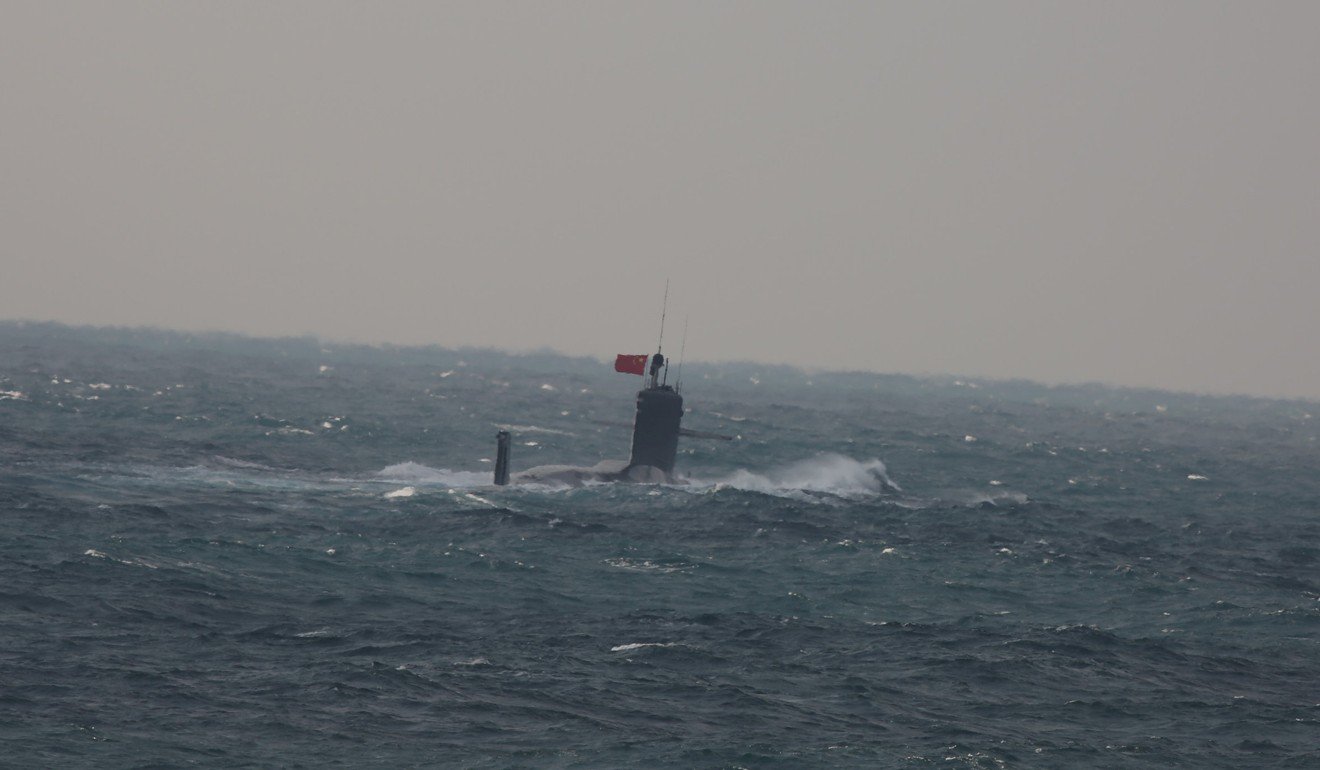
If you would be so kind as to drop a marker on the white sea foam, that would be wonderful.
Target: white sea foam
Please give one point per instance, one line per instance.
(729, 417)
(135, 563)
(416, 473)
(12, 394)
(532, 429)
(287, 430)
(234, 464)
(999, 498)
(405, 492)
(641, 645)
(646, 565)
(829, 473)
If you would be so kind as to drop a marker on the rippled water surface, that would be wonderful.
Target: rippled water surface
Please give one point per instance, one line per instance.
(229, 552)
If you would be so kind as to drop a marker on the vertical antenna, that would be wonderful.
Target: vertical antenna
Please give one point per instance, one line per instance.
(682, 348)
(663, 310)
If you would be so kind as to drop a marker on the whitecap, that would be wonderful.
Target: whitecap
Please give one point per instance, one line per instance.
(646, 565)
(239, 464)
(828, 473)
(1001, 498)
(641, 645)
(416, 473)
(405, 492)
(135, 563)
(532, 429)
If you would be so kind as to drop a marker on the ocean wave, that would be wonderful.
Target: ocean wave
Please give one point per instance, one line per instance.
(633, 647)
(830, 473)
(533, 429)
(415, 473)
(784, 607)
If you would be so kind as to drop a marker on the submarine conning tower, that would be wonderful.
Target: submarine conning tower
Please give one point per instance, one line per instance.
(656, 426)
(655, 429)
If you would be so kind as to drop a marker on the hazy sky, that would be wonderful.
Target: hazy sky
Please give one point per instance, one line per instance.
(1125, 192)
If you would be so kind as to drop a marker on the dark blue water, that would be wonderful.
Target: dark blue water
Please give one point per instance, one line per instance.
(229, 552)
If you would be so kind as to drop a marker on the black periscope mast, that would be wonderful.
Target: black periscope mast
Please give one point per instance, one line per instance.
(656, 428)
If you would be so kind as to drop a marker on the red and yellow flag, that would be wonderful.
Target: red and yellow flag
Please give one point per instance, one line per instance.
(630, 364)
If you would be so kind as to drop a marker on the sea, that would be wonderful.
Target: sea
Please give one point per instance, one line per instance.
(224, 551)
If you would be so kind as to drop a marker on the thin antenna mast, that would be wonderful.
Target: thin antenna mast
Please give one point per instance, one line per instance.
(682, 348)
(664, 308)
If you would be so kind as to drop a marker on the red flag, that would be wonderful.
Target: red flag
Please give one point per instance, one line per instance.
(630, 364)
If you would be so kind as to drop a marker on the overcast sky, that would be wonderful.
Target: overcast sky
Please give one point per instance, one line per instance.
(1122, 192)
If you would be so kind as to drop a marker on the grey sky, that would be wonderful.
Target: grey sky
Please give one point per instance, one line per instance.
(1123, 192)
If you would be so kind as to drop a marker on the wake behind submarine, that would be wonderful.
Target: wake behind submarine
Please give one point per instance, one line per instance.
(656, 428)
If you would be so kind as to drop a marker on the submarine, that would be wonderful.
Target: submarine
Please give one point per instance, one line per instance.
(657, 426)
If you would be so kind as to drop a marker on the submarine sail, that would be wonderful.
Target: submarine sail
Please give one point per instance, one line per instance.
(656, 428)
